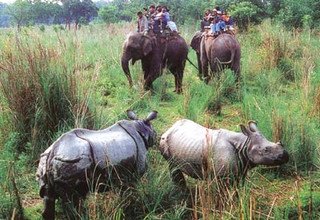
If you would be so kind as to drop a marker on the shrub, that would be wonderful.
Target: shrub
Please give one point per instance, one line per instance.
(43, 95)
(42, 28)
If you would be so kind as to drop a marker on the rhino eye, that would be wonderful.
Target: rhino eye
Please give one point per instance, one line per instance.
(267, 149)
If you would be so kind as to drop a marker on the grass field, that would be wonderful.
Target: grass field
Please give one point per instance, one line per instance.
(54, 80)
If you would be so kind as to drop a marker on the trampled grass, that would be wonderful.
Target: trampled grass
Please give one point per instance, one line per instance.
(280, 90)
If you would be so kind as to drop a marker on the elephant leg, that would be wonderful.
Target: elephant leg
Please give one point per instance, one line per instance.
(206, 76)
(148, 82)
(178, 79)
(236, 70)
(204, 67)
(151, 68)
(216, 70)
(177, 72)
(199, 66)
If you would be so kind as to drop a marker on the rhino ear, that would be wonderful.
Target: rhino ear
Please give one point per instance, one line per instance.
(245, 130)
(253, 126)
(131, 115)
(151, 116)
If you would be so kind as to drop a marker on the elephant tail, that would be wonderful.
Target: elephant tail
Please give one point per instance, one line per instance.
(192, 63)
(228, 62)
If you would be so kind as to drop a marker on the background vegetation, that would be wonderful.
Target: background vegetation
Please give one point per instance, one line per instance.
(291, 13)
(52, 80)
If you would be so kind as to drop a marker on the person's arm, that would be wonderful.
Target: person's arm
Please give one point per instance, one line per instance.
(138, 25)
(145, 25)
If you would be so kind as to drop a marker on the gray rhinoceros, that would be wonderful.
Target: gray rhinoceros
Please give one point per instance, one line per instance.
(83, 158)
(192, 149)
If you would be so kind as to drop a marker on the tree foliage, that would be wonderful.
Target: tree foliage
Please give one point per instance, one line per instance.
(109, 14)
(20, 12)
(292, 13)
(244, 13)
(25, 12)
(299, 13)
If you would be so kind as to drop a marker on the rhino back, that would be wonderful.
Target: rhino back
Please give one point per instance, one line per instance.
(185, 141)
(191, 145)
(112, 147)
(69, 158)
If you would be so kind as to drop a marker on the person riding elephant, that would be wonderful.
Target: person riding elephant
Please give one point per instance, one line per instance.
(155, 53)
(220, 52)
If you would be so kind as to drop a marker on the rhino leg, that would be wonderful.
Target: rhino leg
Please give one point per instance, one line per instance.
(72, 206)
(49, 204)
(177, 176)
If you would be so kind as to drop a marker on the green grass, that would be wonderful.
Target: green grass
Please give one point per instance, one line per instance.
(280, 90)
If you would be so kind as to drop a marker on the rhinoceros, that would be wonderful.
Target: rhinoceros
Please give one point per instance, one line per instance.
(82, 158)
(195, 150)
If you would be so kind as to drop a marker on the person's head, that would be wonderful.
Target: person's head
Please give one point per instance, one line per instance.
(164, 9)
(140, 14)
(159, 8)
(152, 8)
(214, 12)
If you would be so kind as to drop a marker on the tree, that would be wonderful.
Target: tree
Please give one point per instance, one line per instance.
(244, 13)
(76, 10)
(20, 12)
(46, 12)
(4, 17)
(109, 14)
(296, 13)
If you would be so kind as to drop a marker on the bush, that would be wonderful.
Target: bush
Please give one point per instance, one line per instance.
(43, 95)
(42, 28)
(244, 13)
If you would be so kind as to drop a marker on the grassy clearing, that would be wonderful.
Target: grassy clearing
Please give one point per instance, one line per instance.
(79, 73)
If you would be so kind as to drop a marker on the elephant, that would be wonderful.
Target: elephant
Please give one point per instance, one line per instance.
(155, 53)
(220, 52)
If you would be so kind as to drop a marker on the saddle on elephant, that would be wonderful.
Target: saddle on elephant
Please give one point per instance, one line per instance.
(207, 32)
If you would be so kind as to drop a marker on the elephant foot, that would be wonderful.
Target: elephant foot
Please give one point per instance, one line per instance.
(178, 91)
(148, 86)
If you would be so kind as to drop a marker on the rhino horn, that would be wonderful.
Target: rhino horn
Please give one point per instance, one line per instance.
(253, 126)
(131, 115)
(151, 116)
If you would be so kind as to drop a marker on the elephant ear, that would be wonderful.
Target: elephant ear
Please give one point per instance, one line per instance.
(195, 42)
(146, 46)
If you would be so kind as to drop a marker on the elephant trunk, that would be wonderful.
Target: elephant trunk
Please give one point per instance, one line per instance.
(125, 67)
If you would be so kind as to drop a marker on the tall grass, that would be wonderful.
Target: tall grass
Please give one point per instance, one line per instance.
(57, 74)
(43, 92)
